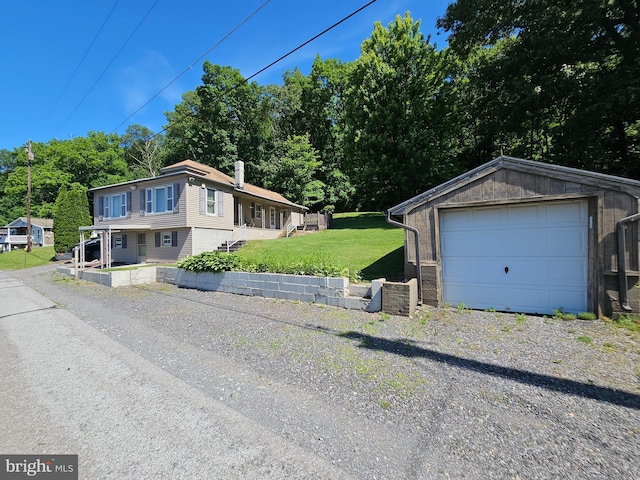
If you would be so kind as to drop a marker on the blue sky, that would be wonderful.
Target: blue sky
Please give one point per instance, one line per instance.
(145, 44)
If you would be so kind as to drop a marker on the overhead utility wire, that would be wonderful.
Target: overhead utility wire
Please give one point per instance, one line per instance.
(111, 62)
(84, 57)
(282, 57)
(195, 62)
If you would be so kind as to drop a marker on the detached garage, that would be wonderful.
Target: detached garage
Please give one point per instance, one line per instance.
(523, 236)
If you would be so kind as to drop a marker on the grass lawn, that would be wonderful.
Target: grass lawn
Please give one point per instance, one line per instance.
(16, 259)
(362, 242)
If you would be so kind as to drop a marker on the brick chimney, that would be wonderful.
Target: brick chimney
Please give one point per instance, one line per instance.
(239, 174)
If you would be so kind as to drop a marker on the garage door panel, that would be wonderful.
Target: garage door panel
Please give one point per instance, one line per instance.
(524, 215)
(567, 242)
(544, 247)
(567, 272)
(573, 213)
(487, 217)
(567, 300)
(528, 300)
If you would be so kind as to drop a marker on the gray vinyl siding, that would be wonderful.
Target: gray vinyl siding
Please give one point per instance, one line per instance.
(196, 219)
(169, 254)
(128, 254)
(154, 220)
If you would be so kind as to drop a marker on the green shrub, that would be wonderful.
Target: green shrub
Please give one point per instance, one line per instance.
(587, 316)
(211, 262)
(230, 262)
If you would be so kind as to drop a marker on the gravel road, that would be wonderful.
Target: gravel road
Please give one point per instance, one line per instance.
(444, 394)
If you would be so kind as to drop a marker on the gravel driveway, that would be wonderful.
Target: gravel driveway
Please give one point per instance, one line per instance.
(444, 394)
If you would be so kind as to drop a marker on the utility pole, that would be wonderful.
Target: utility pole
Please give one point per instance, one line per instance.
(29, 158)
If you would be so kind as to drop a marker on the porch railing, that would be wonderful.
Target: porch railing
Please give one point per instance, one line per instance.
(237, 235)
(14, 239)
(290, 228)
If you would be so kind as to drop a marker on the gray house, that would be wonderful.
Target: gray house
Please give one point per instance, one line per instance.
(188, 209)
(524, 236)
(15, 233)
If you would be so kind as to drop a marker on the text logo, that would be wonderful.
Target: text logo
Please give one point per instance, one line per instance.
(49, 467)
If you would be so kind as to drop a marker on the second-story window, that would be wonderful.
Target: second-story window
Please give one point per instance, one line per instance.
(211, 201)
(159, 199)
(115, 206)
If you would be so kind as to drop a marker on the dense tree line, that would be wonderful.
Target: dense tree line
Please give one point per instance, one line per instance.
(552, 81)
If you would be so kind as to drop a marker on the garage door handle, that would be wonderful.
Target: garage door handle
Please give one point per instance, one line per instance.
(506, 269)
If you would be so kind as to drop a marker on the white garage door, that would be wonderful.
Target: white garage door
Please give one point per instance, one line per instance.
(529, 258)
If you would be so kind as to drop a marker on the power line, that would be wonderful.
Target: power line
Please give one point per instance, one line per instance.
(195, 62)
(84, 57)
(111, 62)
(291, 52)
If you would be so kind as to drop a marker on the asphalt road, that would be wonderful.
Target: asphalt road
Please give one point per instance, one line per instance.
(69, 389)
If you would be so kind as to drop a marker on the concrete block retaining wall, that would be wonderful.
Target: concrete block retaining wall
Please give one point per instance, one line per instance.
(329, 291)
(324, 290)
(115, 278)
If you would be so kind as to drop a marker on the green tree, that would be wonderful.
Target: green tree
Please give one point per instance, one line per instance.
(312, 106)
(144, 151)
(221, 121)
(397, 121)
(564, 78)
(292, 170)
(71, 211)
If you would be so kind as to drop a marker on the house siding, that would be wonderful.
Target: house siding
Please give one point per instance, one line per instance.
(196, 219)
(128, 254)
(197, 231)
(167, 254)
(154, 220)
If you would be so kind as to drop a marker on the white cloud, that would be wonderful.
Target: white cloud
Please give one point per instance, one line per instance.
(148, 77)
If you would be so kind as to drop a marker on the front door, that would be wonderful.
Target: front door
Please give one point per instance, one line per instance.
(272, 218)
(142, 247)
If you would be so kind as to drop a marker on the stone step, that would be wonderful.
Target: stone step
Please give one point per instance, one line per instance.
(361, 290)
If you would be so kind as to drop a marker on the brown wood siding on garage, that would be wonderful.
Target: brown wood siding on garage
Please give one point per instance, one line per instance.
(510, 186)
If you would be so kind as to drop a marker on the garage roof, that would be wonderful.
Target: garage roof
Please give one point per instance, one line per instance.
(504, 162)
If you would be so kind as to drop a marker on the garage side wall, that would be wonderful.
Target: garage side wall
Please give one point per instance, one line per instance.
(507, 186)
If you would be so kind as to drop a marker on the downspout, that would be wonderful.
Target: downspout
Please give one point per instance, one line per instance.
(621, 228)
(417, 242)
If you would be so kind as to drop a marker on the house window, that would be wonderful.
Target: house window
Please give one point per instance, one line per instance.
(119, 241)
(159, 199)
(258, 211)
(166, 239)
(115, 206)
(211, 201)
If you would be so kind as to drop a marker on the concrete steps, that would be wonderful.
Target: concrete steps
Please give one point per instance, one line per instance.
(233, 248)
(358, 297)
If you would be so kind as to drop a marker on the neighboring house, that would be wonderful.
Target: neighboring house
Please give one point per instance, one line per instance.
(188, 209)
(523, 236)
(15, 233)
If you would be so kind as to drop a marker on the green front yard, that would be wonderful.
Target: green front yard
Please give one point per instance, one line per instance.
(362, 242)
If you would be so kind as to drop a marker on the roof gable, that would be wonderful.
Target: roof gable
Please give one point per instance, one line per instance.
(38, 222)
(511, 163)
(195, 168)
